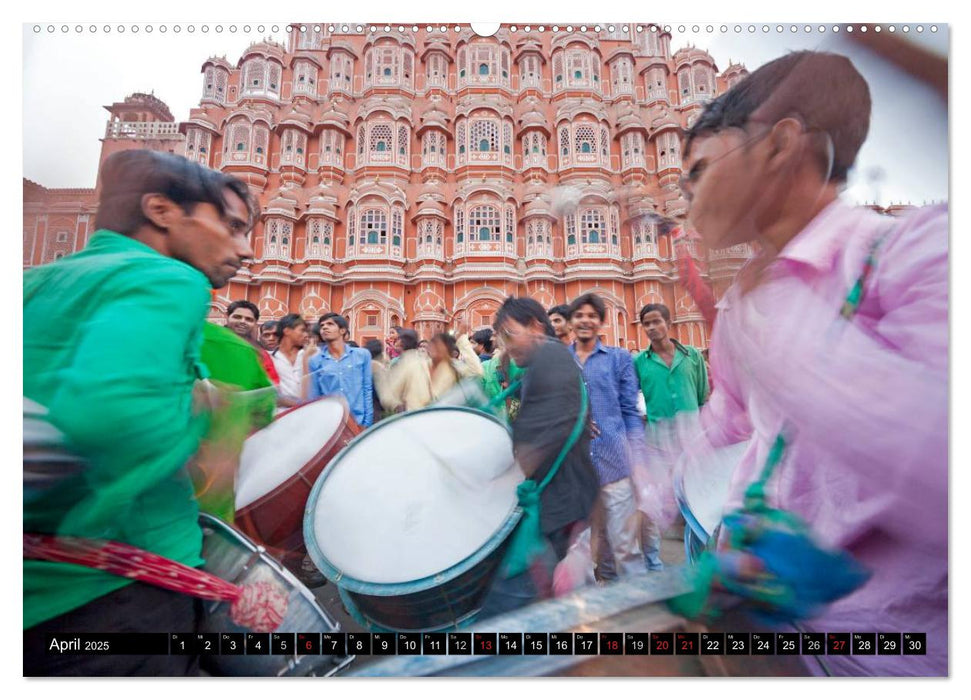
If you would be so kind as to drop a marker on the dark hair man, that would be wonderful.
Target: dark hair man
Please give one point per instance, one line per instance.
(341, 369)
(291, 333)
(834, 337)
(241, 318)
(560, 318)
(551, 401)
(117, 380)
(406, 384)
(482, 343)
(268, 338)
(609, 374)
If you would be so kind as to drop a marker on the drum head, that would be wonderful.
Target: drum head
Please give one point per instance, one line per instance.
(284, 447)
(414, 496)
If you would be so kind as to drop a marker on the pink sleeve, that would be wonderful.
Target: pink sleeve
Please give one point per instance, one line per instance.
(877, 400)
(723, 417)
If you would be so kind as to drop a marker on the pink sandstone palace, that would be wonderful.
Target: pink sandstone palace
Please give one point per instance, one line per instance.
(418, 178)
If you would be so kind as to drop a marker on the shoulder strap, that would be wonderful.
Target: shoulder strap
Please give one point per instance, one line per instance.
(572, 440)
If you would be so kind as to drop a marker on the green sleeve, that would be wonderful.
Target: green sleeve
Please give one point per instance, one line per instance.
(125, 400)
(703, 388)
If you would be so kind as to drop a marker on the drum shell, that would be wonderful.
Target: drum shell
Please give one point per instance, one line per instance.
(233, 557)
(446, 600)
(276, 518)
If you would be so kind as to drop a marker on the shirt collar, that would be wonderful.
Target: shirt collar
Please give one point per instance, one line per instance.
(599, 347)
(822, 238)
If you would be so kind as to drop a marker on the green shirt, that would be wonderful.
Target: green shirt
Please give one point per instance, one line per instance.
(669, 390)
(234, 362)
(111, 348)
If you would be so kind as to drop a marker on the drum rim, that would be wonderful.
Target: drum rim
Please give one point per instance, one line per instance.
(329, 445)
(689, 517)
(357, 585)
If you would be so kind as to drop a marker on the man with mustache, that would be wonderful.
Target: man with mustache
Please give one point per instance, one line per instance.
(117, 381)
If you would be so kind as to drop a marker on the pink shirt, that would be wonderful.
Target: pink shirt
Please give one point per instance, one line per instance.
(865, 403)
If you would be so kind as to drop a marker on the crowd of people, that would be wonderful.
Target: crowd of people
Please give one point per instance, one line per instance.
(834, 337)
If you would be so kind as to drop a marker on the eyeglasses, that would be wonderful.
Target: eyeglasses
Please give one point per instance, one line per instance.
(688, 181)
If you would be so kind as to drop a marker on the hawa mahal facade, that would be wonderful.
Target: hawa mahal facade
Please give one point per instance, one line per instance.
(418, 178)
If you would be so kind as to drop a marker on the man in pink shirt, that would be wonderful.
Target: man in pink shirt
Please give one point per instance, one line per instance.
(861, 395)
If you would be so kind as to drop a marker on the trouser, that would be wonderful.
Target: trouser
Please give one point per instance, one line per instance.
(615, 532)
(536, 583)
(137, 607)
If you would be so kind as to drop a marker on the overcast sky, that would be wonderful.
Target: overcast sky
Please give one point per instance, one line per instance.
(68, 78)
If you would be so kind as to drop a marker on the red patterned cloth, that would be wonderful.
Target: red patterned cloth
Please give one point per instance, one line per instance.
(260, 607)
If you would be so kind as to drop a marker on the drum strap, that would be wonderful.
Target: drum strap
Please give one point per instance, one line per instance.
(527, 541)
(259, 606)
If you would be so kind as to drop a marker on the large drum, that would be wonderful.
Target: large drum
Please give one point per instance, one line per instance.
(278, 467)
(412, 519)
(233, 557)
(701, 489)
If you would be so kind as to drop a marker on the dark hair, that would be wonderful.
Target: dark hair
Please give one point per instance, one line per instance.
(288, 321)
(127, 176)
(243, 304)
(352, 344)
(269, 326)
(375, 347)
(336, 318)
(589, 299)
(448, 341)
(408, 338)
(484, 338)
(824, 89)
(560, 310)
(523, 311)
(665, 312)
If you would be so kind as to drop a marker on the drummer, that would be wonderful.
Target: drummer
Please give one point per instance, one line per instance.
(551, 401)
(117, 380)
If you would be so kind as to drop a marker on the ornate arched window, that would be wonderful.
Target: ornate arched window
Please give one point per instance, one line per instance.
(558, 69)
(510, 224)
(341, 72)
(436, 71)
(380, 142)
(657, 84)
(402, 145)
(622, 76)
(460, 131)
(459, 227)
(485, 135)
(209, 83)
(668, 150)
(331, 147)
(293, 149)
(592, 226)
(530, 74)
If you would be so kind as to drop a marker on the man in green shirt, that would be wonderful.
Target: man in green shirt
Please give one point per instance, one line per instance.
(672, 376)
(118, 381)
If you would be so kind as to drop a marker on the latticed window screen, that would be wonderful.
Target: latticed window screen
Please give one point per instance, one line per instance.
(702, 83)
(558, 68)
(220, 83)
(274, 79)
(614, 227)
(485, 224)
(604, 142)
(351, 227)
(504, 62)
(506, 137)
(510, 224)
(485, 135)
(369, 65)
(380, 138)
(585, 138)
(254, 74)
(209, 82)
(241, 134)
(261, 138)
(459, 226)
(571, 229)
(407, 62)
(592, 227)
(484, 60)
(403, 140)
(565, 142)
(460, 136)
(396, 227)
(374, 227)
(684, 82)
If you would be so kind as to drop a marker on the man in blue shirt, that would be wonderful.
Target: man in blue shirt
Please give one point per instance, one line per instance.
(340, 369)
(619, 439)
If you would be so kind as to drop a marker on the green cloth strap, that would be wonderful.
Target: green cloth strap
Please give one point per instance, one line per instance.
(527, 541)
(506, 393)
